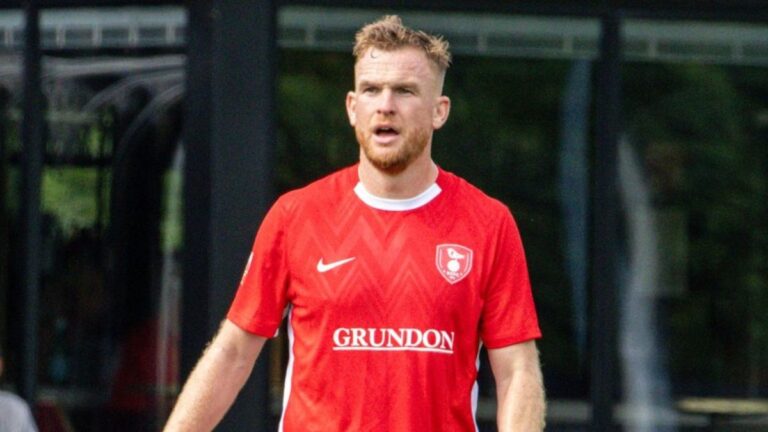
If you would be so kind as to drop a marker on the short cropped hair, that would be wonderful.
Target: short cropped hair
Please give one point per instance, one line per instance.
(389, 34)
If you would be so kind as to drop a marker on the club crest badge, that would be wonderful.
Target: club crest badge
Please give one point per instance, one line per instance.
(453, 261)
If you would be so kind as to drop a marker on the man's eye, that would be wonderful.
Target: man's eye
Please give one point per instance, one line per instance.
(370, 90)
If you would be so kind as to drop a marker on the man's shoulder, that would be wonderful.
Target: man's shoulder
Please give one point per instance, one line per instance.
(8, 399)
(326, 189)
(13, 407)
(465, 193)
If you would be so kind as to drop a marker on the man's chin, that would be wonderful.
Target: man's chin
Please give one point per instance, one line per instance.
(388, 166)
(391, 161)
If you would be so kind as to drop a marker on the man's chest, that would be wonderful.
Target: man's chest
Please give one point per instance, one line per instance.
(418, 269)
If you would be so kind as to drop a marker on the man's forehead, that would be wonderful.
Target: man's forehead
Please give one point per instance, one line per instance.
(408, 61)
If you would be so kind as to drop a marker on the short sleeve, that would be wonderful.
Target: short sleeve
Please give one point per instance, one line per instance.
(261, 297)
(509, 315)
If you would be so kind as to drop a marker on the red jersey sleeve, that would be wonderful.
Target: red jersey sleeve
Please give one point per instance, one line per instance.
(261, 298)
(509, 315)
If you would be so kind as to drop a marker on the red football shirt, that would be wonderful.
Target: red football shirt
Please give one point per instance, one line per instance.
(388, 300)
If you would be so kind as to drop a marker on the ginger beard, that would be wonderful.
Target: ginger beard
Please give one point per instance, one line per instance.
(395, 159)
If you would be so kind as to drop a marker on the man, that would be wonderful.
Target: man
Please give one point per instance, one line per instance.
(15, 415)
(393, 272)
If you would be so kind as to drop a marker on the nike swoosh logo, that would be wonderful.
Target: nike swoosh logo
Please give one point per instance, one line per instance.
(322, 267)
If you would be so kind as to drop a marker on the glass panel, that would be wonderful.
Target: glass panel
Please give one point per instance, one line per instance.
(519, 131)
(109, 315)
(694, 181)
(111, 203)
(169, 319)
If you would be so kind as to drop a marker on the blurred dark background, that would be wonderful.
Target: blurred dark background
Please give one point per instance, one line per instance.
(141, 143)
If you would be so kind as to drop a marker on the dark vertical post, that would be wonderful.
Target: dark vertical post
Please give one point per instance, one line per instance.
(195, 308)
(4, 220)
(31, 232)
(605, 224)
(245, 60)
(230, 138)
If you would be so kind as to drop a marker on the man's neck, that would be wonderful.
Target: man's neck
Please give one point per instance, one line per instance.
(411, 182)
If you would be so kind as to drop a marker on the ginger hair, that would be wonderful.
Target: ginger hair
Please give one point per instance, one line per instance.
(389, 34)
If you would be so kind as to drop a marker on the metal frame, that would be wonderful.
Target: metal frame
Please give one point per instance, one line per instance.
(31, 214)
(228, 174)
(147, 31)
(605, 225)
(718, 10)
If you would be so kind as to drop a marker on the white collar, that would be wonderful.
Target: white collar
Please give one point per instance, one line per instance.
(391, 204)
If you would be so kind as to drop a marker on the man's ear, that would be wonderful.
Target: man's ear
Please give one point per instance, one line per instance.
(441, 111)
(351, 103)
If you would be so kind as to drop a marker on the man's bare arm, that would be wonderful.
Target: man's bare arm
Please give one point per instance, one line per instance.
(216, 380)
(519, 388)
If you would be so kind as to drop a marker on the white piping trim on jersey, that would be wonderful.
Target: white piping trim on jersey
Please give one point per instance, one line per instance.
(288, 371)
(390, 204)
(476, 388)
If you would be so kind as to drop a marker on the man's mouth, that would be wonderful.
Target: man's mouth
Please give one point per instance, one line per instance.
(385, 131)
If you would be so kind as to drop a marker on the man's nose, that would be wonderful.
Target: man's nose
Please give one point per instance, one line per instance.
(386, 102)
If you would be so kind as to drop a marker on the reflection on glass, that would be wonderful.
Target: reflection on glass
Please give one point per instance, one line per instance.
(695, 182)
(107, 362)
(167, 359)
(574, 194)
(642, 353)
